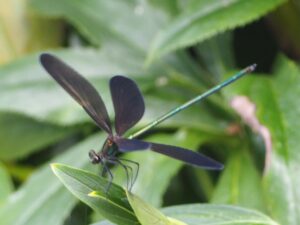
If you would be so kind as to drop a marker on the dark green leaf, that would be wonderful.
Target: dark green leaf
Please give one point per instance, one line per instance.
(20, 136)
(204, 19)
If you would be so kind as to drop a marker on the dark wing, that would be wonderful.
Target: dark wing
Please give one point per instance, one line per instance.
(188, 156)
(185, 155)
(128, 145)
(79, 88)
(128, 103)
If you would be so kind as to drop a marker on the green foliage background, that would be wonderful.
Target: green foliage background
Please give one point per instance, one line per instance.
(174, 50)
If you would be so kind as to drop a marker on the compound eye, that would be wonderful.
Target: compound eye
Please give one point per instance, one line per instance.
(94, 157)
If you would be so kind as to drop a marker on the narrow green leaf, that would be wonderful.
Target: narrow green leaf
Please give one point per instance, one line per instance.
(91, 189)
(196, 214)
(31, 135)
(147, 214)
(43, 195)
(240, 178)
(204, 19)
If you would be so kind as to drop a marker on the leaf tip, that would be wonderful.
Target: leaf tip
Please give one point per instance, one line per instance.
(93, 194)
(55, 167)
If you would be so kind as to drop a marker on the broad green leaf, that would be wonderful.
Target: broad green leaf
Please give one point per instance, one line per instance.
(6, 185)
(203, 19)
(196, 214)
(278, 110)
(21, 32)
(20, 136)
(239, 179)
(282, 180)
(159, 169)
(91, 189)
(147, 214)
(43, 195)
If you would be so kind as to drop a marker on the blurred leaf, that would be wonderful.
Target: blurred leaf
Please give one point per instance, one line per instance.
(239, 179)
(6, 185)
(43, 195)
(128, 34)
(22, 32)
(285, 23)
(132, 23)
(19, 172)
(282, 180)
(170, 6)
(158, 169)
(217, 54)
(90, 189)
(20, 136)
(204, 19)
(196, 214)
(278, 109)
